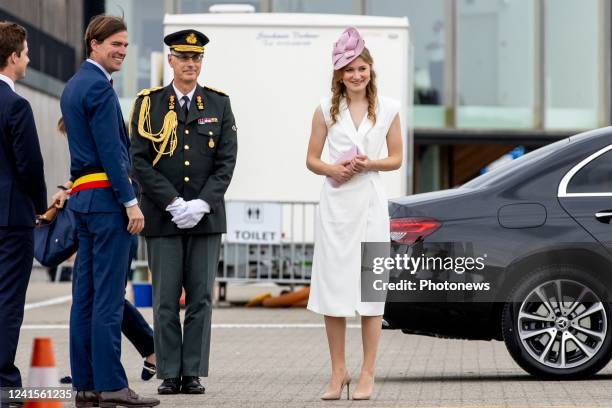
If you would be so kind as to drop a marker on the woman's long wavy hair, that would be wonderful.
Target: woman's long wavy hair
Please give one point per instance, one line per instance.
(339, 89)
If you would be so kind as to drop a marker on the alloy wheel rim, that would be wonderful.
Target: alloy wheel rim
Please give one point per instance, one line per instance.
(562, 324)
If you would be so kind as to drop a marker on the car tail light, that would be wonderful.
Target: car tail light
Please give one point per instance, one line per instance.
(409, 230)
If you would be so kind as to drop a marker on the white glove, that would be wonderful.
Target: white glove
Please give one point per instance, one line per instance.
(192, 215)
(178, 207)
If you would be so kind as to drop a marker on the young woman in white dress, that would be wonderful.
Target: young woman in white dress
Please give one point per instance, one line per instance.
(353, 207)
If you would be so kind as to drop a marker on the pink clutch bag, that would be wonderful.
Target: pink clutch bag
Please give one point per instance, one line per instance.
(348, 155)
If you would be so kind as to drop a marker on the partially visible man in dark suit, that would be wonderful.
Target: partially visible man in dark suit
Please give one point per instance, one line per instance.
(106, 212)
(22, 195)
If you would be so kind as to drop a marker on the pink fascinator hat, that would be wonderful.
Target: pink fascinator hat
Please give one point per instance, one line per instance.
(349, 46)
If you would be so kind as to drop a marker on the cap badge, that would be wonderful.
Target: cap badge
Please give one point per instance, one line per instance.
(191, 39)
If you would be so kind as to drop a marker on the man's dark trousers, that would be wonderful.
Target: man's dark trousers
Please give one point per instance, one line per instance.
(97, 305)
(23, 194)
(16, 254)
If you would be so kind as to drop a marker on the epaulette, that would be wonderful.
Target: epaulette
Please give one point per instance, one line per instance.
(216, 90)
(148, 91)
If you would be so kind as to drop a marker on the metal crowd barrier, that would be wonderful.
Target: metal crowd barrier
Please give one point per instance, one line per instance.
(289, 262)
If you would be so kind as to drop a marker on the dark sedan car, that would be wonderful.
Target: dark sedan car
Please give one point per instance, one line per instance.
(541, 227)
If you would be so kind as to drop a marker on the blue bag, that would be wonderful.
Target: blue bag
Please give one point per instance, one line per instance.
(55, 238)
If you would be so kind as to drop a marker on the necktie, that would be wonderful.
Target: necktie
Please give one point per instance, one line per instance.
(185, 100)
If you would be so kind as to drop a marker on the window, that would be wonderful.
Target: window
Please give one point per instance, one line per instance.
(145, 35)
(316, 6)
(595, 177)
(500, 173)
(202, 6)
(427, 34)
(572, 64)
(495, 64)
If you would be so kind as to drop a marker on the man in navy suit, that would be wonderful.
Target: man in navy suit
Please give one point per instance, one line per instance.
(22, 195)
(107, 214)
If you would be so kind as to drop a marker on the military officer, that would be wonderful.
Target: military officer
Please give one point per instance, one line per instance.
(184, 146)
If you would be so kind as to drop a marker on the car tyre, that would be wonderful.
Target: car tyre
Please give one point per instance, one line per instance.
(566, 340)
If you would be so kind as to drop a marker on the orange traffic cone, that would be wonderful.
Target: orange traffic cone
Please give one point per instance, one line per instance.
(43, 372)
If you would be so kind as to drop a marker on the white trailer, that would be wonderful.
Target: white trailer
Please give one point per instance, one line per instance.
(276, 68)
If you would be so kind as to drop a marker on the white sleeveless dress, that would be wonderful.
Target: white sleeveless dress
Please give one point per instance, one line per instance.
(354, 212)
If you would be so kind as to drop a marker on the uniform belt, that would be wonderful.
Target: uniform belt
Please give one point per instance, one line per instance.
(89, 181)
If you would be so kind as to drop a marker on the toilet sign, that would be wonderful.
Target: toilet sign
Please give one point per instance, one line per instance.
(253, 222)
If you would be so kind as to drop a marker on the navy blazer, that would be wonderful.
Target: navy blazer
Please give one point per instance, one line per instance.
(23, 193)
(97, 139)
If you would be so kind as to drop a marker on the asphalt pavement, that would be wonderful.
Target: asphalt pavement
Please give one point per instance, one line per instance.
(279, 358)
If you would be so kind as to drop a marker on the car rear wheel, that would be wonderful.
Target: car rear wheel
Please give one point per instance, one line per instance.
(557, 323)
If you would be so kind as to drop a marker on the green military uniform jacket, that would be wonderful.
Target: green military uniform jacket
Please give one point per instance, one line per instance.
(201, 165)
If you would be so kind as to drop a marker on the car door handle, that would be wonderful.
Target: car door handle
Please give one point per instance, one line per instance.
(604, 216)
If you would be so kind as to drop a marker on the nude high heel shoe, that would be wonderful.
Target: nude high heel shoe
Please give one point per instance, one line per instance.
(336, 394)
(364, 395)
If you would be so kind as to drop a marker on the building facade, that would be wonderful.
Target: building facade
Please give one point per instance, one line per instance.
(55, 41)
(489, 75)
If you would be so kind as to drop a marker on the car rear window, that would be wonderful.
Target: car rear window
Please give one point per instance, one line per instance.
(502, 171)
(595, 177)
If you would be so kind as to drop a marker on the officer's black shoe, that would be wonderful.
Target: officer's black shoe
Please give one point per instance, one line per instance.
(169, 386)
(191, 385)
(87, 399)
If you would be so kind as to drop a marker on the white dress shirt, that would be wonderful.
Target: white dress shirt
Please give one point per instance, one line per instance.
(180, 95)
(10, 82)
(108, 76)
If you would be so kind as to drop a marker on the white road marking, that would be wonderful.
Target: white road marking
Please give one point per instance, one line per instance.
(49, 302)
(44, 327)
(214, 326)
(277, 326)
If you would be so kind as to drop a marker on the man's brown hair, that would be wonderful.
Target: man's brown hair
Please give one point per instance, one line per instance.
(12, 37)
(101, 27)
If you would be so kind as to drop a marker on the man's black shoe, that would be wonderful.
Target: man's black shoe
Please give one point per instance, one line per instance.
(169, 386)
(191, 385)
(87, 399)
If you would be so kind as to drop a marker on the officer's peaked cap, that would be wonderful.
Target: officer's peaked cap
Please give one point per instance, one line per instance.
(186, 41)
